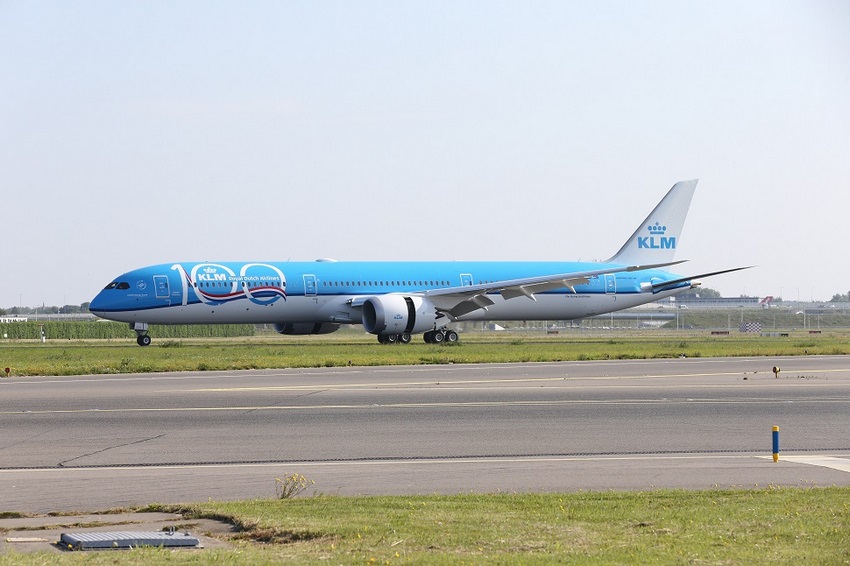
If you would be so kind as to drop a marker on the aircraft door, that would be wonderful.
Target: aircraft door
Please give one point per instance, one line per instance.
(160, 284)
(310, 285)
(466, 280)
(610, 284)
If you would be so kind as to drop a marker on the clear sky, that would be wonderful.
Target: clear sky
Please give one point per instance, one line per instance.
(134, 133)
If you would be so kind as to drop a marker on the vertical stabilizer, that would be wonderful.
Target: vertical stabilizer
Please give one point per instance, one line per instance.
(657, 237)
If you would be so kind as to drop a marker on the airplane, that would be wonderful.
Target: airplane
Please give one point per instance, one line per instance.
(395, 300)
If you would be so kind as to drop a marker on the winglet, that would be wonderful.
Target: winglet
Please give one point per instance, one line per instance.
(657, 237)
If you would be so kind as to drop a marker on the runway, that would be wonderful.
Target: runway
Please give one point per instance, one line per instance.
(96, 442)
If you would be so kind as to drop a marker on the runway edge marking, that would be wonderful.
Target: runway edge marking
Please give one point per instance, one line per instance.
(834, 462)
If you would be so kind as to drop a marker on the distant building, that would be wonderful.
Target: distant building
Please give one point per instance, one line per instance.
(721, 302)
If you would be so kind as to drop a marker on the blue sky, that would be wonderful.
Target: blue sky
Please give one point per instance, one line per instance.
(147, 132)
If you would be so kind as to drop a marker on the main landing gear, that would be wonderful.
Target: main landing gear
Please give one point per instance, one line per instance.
(395, 338)
(432, 337)
(440, 336)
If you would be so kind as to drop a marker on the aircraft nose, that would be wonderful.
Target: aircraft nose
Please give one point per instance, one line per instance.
(107, 300)
(97, 304)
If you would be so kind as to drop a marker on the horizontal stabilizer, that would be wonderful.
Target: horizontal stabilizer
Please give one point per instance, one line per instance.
(664, 285)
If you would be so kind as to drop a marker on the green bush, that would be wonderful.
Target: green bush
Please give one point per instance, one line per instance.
(92, 330)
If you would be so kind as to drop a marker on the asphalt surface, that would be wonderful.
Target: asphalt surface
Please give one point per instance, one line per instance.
(97, 442)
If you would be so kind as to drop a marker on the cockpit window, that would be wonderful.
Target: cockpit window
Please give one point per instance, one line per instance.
(111, 286)
(123, 285)
(117, 285)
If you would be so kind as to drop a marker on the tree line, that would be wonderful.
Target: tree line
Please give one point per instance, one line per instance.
(66, 309)
(87, 330)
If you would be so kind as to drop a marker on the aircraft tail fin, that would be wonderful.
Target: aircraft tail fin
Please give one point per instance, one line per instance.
(657, 237)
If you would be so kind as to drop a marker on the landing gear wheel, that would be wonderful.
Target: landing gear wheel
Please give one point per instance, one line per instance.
(392, 338)
(404, 338)
(451, 337)
(382, 338)
(435, 337)
(143, 340)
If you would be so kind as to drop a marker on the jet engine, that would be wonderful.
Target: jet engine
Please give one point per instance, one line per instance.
(397, 314)
(301, 328)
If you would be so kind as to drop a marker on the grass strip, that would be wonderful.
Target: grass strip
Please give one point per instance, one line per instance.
(86, 357)
(759, 526)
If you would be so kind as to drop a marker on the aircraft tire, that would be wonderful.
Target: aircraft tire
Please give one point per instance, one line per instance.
(143, 340)
(429, 337)
(438, 337)
(404, 338)
(391, 338)
(451, 337)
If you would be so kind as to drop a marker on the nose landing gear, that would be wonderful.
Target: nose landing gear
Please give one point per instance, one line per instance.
(141, 328)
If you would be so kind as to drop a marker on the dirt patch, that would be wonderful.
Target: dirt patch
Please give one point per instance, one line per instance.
(40, 533)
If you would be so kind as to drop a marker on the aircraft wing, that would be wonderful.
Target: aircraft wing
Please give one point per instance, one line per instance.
(458, 301)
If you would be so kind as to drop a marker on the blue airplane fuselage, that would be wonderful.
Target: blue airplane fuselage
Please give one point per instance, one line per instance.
(324, 291)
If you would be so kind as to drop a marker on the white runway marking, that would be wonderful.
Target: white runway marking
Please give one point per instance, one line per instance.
(841, 464)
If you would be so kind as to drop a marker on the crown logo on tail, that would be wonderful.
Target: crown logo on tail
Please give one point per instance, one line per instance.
(657, 229)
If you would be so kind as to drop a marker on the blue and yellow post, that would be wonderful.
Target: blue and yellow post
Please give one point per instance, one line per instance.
(776, 444)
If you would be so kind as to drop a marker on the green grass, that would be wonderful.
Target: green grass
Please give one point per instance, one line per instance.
(83, 357)
(760, 526)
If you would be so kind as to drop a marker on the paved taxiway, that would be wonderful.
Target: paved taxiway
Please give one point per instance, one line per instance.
(94, 442)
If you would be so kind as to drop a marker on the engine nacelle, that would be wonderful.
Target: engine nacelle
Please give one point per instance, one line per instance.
(397, 314)
(301, 328)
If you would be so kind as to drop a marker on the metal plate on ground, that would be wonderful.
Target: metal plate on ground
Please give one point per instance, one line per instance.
(126, 539)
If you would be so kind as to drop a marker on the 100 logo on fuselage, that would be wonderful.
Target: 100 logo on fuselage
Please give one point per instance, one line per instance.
(215, 284)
